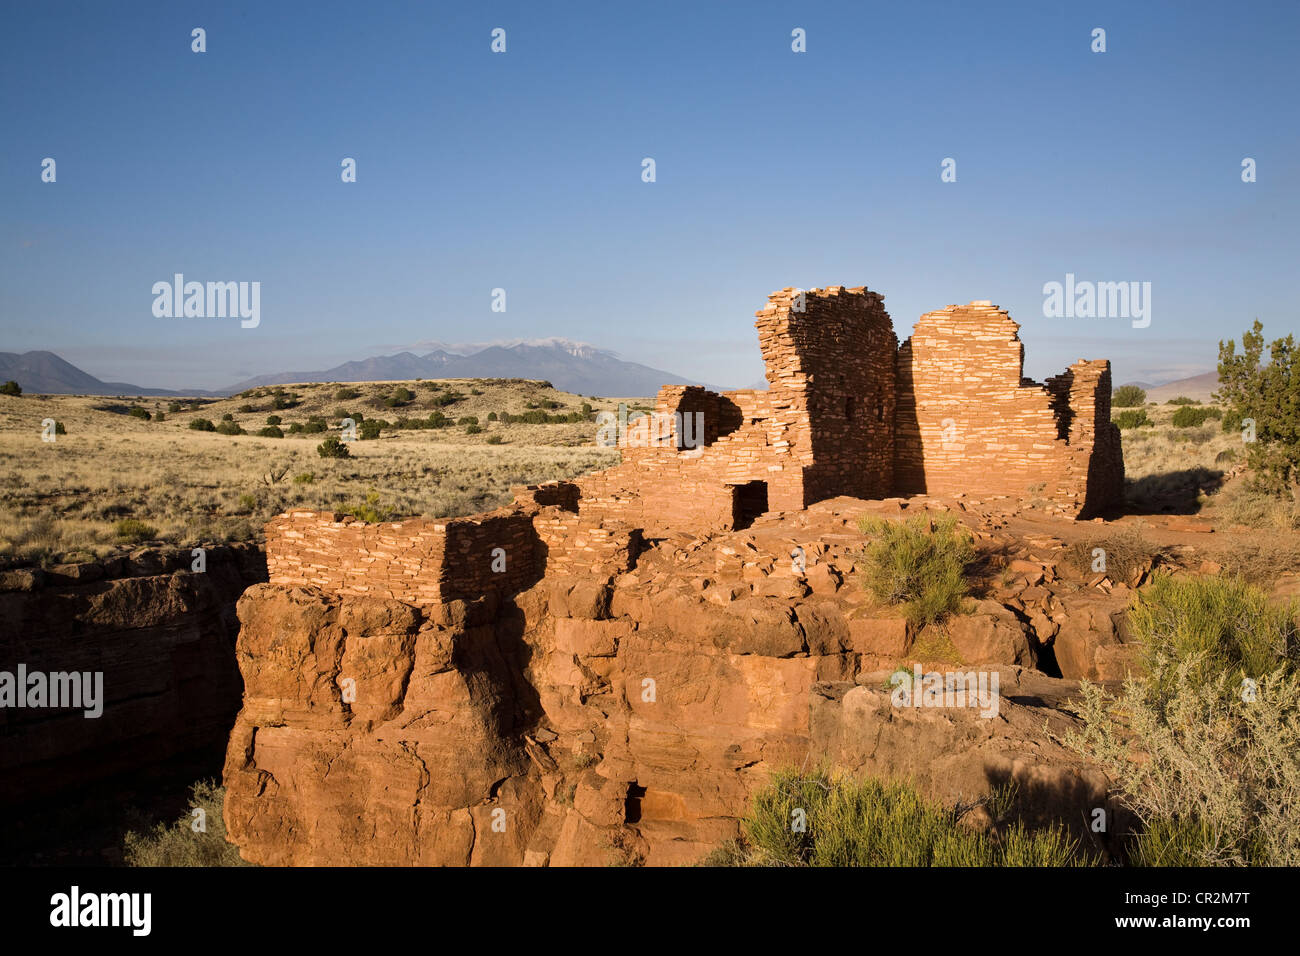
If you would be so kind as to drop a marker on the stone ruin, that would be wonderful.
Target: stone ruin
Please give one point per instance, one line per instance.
(606, 669)
(850, 412)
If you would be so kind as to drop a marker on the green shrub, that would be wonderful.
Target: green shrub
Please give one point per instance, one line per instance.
(1211, 768)
(492, 416)
(270, 431)
(229, 428)
(467, 420)
(129, 529)
(11, 388)
(273, 419)
(295, 428)
(494, 439)
(919, 562)
(180, 844)
(135, 411)
(1128, 396)
(314, 428)
(1190, 416)
(202, 425)
(1269, 395)
(159, 416)
(449, 398)
(306, 478)
(227, 417)
(174, 407)
(400, 397)
(333, 448)
(473, 429)
(1224, 624)
(245, 409)
(368, 430)
(346, 394)
(1132, 419)
(1182, 400)
(59, 429)
(370, 510)
(870, 823)
(247, 502)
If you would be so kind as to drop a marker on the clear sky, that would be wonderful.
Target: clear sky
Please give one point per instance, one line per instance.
(523, 171)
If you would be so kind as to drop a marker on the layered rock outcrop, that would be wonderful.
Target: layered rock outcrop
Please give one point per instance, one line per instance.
(620, 709)
(158, 638)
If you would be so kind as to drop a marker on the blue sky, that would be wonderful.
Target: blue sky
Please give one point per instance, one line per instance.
(522, 171)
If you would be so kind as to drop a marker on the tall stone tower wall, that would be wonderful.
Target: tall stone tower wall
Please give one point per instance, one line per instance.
(969, 422)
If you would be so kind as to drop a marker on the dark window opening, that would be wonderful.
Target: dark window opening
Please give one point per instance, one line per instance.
(748, 501)
(848, 408)
(880, 410)
(632, 805)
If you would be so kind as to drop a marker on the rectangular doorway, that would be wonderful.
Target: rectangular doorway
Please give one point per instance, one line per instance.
(748, 501)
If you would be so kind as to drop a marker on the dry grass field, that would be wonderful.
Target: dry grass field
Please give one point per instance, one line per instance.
(114, 480)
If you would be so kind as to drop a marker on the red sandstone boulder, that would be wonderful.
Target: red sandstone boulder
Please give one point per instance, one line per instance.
(990, 635)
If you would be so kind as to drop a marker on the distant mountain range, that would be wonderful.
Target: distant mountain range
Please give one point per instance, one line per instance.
(45, 373)
(1199, 387)
(569, 366)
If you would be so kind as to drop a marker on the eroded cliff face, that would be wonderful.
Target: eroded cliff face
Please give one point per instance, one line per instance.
(623, 707)
(156, 636)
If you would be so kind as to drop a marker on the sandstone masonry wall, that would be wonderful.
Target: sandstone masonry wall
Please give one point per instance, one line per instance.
(418, 561)
(823, 428)
(967, 420)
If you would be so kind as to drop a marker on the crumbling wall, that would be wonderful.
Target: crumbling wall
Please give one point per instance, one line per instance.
(967, 421)
(418, 561)
(831, 364)
(823, 428)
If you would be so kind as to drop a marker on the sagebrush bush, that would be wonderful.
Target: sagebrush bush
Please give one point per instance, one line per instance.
(1211, 767)
(819, 819)
(919, 562)
(202, 425)
(179, 843)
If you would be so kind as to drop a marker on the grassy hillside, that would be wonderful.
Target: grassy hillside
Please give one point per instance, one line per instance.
(115, 480)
